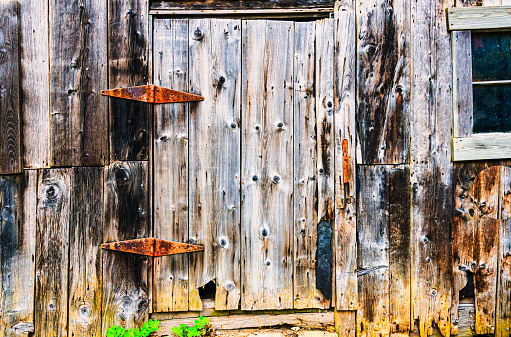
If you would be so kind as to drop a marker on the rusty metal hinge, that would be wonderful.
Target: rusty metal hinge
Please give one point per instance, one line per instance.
(345, 162)
(152, 247)
(152, 94)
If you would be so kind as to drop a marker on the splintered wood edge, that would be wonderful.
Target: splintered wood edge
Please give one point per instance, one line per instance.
(472, 18)
(481, 147)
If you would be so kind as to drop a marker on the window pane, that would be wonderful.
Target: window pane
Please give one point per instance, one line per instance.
(492, 108)
(491, 56)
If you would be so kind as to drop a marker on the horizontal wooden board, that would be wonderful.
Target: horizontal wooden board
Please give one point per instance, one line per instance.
(470, 18)
(248, 13)
(482, 146)
(239, 4)
(306, 320)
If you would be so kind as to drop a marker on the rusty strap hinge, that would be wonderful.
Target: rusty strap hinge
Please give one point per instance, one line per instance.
(152, 94)
(152, 247)
(345, 162)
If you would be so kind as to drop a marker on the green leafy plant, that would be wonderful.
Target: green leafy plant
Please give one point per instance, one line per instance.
(200, 328)
(147, 328)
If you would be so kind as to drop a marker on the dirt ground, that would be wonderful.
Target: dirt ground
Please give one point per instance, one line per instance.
(277, 332)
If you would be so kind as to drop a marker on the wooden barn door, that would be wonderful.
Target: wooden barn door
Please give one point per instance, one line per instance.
(249, 172)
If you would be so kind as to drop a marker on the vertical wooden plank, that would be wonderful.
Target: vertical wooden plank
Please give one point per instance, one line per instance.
(345, 234)
(11, 160)
(128, 66)
(78, 54)
(305, 183)
(373, 251)
(400, 227)
(383, 74)
(35, 85)
(18, 197)
(267, 165)
(503, 310)
(86, 237)
(431, 167)
(125, 281)
(345, 323)
(52, 252)
(215, 73)
(462, 83)
(171, 165)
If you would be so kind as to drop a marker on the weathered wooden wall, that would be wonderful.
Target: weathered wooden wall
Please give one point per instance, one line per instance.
(410, 227)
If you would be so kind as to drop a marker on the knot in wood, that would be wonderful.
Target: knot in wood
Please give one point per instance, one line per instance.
(198, 35)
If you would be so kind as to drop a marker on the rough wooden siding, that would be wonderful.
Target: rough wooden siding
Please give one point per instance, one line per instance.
(128, 53)
(79, 115)
(11, 160)
(267, 180)
(17, 225)
(238, 4)
(503, 310)
(125, 276)
(171, 165)
(215, 142)
(383, 74)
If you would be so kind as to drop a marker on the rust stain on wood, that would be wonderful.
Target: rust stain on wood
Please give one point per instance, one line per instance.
(152, 94)
(152, 247)
(345, 162)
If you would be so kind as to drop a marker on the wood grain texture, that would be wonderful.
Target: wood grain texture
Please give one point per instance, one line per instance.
(252, 14)
(325, 118)
(170, 162)
(215, 142)
(462, 83)
(383, 74)
(373, 251)
(305, 320)
(125, 276)
(503, 298)
(128, 66)
(18, 198)
(345, 193)
(305, 157)
(86, 236)
(431, 167)
(35, 85)
(239, 4)
(345, 323)
(473, 18)
(78, 53)
(267, 165)
(52, 252)
(11, 160)
(482, 147)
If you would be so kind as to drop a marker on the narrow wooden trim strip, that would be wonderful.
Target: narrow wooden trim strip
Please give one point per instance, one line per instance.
(248, 13)
(471, 18)
(492, 82)
(482, 146)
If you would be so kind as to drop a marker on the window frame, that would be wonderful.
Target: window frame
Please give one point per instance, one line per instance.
(461, 22)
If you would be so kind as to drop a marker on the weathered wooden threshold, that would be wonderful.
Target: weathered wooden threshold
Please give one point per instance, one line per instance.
(314, 320)
(287, 13)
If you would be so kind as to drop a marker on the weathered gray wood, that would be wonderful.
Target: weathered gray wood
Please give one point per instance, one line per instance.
(430, 166)
(35, 66)
(128, 66)
(125, 276)
(267, 165)
(18, 198)
(305, 320)
(170, 146)
(345, 193)
(215, 137)
(238, 4)
(305, 183)
(253, 14)
(78, 54)
(86, 237)
(400, 227)
(503, 298)
(462, 83)
(11, 157)
(52, 252)
(383, 74)
(482, 147)
(472, 18)
(373, 251)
